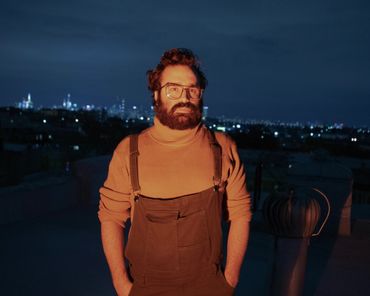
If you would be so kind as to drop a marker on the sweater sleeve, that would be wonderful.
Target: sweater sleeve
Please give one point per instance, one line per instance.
(115, 194)
(238, 201)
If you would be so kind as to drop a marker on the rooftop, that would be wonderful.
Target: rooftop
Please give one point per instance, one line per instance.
(60, 254)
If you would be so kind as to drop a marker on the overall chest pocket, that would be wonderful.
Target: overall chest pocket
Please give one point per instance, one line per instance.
(192, 229)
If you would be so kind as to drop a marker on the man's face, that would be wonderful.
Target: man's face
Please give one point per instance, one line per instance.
(184, 112)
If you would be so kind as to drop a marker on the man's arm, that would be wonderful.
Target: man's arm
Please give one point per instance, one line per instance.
(113, 245)
(236, 247)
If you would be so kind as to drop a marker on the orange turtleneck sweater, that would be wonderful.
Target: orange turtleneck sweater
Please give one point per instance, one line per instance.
(172, 163)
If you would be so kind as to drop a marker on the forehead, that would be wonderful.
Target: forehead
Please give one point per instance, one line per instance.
(180, 74)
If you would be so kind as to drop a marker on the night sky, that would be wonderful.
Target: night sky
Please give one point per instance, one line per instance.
(264, 59)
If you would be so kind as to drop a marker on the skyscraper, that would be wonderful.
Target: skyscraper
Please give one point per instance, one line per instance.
(25, 103)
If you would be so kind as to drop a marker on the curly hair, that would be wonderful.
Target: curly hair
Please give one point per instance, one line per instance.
(176, 56)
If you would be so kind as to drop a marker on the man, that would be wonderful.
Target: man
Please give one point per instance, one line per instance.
(174, 181)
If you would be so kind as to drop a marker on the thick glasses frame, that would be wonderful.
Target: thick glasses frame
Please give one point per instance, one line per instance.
(186, 88)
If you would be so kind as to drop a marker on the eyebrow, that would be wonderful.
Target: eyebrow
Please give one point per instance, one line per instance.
(191, 85)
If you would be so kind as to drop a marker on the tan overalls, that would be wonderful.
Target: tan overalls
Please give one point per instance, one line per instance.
(175, 245)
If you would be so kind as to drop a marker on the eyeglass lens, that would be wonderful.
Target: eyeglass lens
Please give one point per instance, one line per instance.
(176, 91)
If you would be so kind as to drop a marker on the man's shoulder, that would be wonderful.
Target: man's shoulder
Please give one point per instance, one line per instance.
(124, 144)
(224, 140)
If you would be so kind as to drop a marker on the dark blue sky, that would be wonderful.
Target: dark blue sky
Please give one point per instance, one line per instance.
(267, 59)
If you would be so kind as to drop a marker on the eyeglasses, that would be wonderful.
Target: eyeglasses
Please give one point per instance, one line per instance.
(174, 91)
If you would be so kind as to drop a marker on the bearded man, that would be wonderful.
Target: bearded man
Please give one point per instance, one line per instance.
(176, 181)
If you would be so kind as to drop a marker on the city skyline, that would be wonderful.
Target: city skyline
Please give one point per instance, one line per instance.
(268, 61)
(122, 109)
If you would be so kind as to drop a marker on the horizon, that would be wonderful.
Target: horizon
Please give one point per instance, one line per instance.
(264, 121)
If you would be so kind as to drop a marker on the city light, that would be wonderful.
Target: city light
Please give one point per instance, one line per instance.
(25, 103)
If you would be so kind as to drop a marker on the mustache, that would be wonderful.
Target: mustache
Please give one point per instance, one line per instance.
(182, 105)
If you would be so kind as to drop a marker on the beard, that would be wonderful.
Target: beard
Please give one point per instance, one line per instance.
(179, 121)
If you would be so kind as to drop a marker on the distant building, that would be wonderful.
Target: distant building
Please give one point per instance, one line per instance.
(133, 113)
(68, 105)
(122, 108)
(88, 107)
(205, 112)
(25, 103)
(118, 109)
(113, 111)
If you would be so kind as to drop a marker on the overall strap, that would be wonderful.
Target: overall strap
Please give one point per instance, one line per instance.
(217, 159)
(134, 172)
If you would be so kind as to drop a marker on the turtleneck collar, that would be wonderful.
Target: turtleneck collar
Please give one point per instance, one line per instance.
(164, 135)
